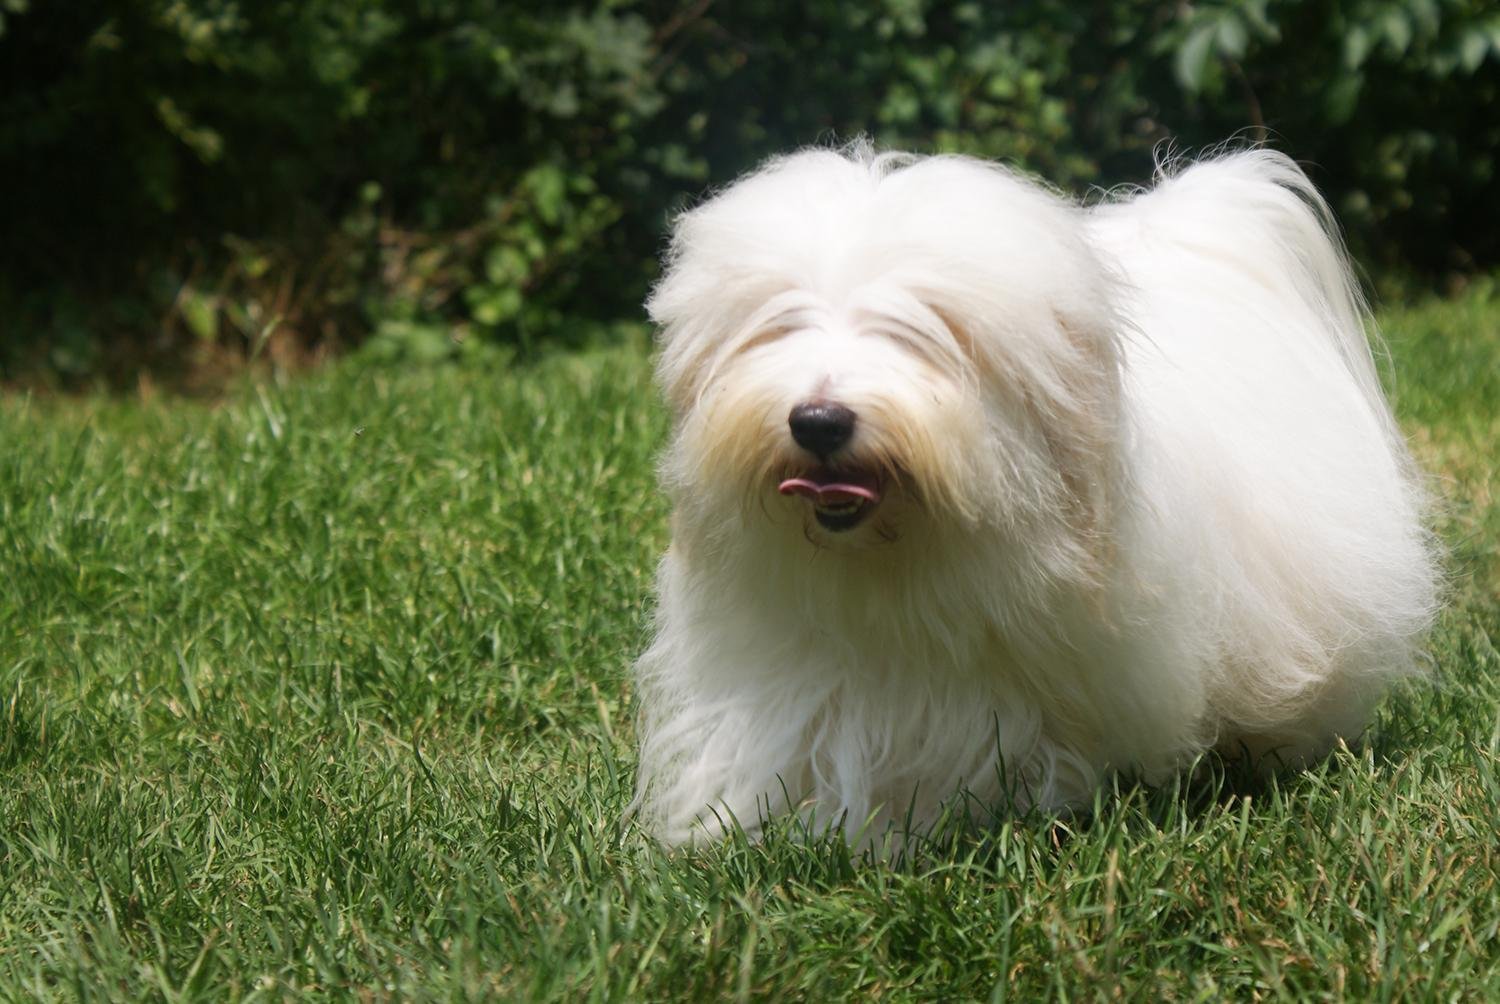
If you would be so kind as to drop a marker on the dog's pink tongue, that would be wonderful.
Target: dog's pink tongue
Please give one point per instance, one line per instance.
(835, 490)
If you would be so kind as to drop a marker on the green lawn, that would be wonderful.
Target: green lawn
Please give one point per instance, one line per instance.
(322, 690)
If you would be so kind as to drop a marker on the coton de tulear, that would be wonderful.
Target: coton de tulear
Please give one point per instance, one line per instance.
(977, 490)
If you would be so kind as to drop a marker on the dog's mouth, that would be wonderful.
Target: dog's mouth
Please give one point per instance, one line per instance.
(840, 499)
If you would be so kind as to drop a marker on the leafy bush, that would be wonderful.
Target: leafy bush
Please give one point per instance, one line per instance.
(196, 179)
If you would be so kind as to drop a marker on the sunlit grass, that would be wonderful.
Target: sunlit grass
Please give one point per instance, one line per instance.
(323, 690)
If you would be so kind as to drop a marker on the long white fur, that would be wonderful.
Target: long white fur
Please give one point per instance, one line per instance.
(1148, 498)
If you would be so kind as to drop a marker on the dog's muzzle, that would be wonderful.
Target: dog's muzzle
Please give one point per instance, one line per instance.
(842, 495)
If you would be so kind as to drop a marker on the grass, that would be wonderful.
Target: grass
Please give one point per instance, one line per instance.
(322, 691)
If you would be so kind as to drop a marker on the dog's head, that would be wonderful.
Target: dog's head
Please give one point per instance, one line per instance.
(858, 348)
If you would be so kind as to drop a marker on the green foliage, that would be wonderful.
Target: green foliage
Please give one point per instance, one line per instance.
(1389, 100)
(448, 173)
(320, 693)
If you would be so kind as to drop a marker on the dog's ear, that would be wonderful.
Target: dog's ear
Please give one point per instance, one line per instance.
(1083, 427)
(702, 326)
(688, 354)
(690, 320)
(679, 372)
(1064, 371)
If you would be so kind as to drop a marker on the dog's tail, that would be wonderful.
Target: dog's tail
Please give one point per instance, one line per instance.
(1259, 209)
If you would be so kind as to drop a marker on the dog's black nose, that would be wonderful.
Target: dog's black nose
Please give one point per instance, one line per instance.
(821, 427)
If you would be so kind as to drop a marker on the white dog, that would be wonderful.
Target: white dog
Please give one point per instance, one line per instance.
(978, 490)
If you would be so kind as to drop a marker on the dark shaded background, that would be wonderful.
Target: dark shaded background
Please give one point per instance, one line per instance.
(190, 183)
